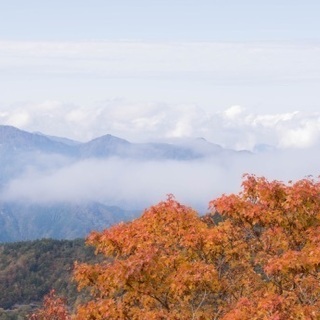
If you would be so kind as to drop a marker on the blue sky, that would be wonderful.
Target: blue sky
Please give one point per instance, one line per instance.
(206, 55)
(160, 20)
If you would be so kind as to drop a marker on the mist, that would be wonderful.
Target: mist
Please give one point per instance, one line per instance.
(137, 184)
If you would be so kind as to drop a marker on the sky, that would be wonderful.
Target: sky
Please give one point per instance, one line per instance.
(243, 74)
(262, 55)
(153, 60)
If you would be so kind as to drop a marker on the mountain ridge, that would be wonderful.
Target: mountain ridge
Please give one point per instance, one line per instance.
(35, 156)
(13, 139)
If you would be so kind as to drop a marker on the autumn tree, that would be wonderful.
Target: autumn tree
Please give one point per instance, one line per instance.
(156, 268)
(259, 260)
(280, 226)
(54, 308)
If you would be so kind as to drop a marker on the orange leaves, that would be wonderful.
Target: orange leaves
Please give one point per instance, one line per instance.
(265, 203)
(54, 308)
(261, 261)
(280, 225)
(154, 263)
(270, 306)
(295, 262)
(192, 276)
(266, 306)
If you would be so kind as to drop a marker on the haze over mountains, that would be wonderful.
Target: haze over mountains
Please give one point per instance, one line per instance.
(44, 180)
(15, 140)
(60, 188)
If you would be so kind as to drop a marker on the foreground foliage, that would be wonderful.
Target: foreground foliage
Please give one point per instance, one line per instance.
(54, 308)
(261, 261)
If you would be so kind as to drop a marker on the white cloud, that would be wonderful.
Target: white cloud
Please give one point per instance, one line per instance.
(222, 62)
(139, 184)
(219, 66)
(233, 112)
(270, 76)
(19, 119)
(234, 128)
(305, 134)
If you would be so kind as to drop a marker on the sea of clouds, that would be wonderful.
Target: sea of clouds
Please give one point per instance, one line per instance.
(234, 127)
(277, 81)
(283, 146)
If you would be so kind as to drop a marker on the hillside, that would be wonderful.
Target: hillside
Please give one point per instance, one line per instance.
(27, 221)
(29, 270)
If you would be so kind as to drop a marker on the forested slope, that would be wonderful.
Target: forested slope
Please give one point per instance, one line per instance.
(29, 270)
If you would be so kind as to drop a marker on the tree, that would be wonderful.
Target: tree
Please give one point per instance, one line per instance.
(260, 260)
(155, 270)
(54, 308)
(280, 225)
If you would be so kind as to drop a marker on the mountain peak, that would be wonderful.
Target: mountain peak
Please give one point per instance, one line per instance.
(109, 138)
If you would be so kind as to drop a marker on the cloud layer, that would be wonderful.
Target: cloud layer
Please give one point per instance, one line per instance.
(139, 184)
(89, 74)
(233, 127)
(270, 75)
(285, 146)
(225, 62)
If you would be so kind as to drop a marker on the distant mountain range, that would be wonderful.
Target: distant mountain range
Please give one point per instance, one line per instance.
(15, 141)
(21, 150)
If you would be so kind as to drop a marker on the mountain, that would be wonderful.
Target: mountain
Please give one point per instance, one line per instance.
(66, 141)
(21, 150)
(179, 149)
(105, 146)
(14, 141)
(26, 155)
(30, 221)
